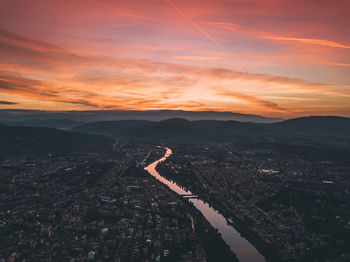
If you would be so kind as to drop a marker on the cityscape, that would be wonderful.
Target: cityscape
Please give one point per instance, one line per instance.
(174, 131)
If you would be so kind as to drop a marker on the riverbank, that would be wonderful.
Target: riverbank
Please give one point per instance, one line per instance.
(215, 247)
(197, 188)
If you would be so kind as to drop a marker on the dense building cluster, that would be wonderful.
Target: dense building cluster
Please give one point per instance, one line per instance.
(293, 208)
(92, 208)
(106, 207)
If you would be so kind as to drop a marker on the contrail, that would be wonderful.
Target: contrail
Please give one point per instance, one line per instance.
(195, 25)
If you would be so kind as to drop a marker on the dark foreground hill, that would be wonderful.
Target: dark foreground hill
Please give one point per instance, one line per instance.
(53, 123)
(17, 140)
(324, 126)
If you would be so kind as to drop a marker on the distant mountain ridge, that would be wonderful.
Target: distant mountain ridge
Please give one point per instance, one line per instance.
(306, 128)
(33, 117)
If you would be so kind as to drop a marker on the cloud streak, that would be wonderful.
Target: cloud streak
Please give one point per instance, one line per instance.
(15, 39)
(2, 102)
(252, 99)
(321, 42)
(235, 28)
(195, 25)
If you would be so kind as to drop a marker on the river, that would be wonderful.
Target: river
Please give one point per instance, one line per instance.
(243, 249)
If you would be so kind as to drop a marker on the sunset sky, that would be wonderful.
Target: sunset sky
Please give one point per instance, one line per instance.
(277, 58)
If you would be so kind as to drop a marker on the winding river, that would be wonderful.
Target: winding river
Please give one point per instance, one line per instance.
(243, 249)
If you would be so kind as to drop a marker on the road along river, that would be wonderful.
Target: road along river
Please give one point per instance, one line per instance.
(243, 249)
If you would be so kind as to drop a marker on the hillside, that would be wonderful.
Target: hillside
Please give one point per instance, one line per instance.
(325, 126)
(16, 140)
(334, 129)
(53, 123)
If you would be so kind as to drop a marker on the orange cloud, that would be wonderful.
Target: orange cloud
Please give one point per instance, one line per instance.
(52, 59)
(100, 80)
(252, 99)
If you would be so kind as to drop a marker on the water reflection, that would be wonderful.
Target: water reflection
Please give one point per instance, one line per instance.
(245, 251)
